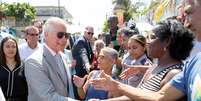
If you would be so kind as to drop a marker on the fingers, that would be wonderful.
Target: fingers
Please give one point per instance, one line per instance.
(103, 75)
(125, 74)
(79, 81)
(85, 76)
(98, 84)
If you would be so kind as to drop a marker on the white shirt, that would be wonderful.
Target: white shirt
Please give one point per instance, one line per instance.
(2, 98)
(25, 51)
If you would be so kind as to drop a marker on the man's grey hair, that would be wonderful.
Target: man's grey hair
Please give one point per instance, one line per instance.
(28, 29)
(111, 52)
(50, 24)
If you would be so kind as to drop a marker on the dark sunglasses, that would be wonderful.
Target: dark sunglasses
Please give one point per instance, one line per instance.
(31, 34)
(90, 33)
(61, 34)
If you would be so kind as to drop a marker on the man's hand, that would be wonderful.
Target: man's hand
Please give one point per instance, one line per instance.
(88, 67)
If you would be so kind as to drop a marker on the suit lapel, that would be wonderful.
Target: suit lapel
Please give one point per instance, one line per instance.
(53, 64)
(68, 69)
(89, 49)
(66, 65)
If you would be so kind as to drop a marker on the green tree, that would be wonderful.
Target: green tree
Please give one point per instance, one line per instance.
(105, 26)
(154, 4)
(128, 7)
(21, 11)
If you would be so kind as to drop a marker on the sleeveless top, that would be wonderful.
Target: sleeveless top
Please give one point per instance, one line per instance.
(153, 83)
(93, 93)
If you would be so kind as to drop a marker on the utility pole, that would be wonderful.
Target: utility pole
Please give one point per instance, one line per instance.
(59, 8)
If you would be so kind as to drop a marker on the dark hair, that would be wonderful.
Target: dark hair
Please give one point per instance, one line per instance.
(127, 31)
(139, 38)
(2, 54)
(181, 39)
(132, 27)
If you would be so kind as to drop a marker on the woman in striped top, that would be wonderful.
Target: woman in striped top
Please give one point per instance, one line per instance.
(171, 46)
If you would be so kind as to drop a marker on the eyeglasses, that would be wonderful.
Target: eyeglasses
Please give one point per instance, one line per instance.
(61, 34)
(90, 33)
(31, 34)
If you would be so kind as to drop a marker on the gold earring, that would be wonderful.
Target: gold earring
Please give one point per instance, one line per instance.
(164, 48)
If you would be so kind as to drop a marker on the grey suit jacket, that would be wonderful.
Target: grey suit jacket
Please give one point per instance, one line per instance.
(44, 82)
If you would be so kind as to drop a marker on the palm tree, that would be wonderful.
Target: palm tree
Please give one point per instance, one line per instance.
(127, 6)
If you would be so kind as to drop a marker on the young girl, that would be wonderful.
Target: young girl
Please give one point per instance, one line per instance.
(136, 56)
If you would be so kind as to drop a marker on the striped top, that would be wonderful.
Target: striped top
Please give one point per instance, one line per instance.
(153, 83)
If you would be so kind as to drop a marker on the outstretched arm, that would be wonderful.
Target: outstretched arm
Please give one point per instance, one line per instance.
(133, 69)
(167, 93)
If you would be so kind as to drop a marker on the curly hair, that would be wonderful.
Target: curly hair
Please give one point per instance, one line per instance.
(181, 38)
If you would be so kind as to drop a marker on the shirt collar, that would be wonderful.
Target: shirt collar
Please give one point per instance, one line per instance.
(38, 45)
(51, 51)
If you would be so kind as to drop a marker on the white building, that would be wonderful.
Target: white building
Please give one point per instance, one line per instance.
(45, 12)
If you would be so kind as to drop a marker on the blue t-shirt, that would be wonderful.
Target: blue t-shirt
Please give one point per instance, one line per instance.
(189, 80)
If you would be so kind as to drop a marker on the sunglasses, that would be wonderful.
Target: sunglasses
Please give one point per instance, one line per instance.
(60, 35)
(90, 33)
(31, 34)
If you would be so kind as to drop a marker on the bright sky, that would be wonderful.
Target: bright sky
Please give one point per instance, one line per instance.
(85, 12)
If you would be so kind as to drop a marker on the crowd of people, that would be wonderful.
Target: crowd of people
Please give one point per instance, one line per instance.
(123, 65)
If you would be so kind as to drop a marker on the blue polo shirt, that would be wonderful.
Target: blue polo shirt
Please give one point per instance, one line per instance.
(189, 80)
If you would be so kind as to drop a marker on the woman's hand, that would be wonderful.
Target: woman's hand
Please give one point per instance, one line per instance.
(105, 82)
(129, 72)
(78, 81)
(132, 70)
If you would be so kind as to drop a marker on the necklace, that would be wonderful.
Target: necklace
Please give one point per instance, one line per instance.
(11, 66)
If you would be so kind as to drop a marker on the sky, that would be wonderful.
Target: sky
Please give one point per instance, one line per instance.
(84, 12)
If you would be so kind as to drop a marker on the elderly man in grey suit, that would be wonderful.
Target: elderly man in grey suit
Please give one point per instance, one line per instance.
(47, 73)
